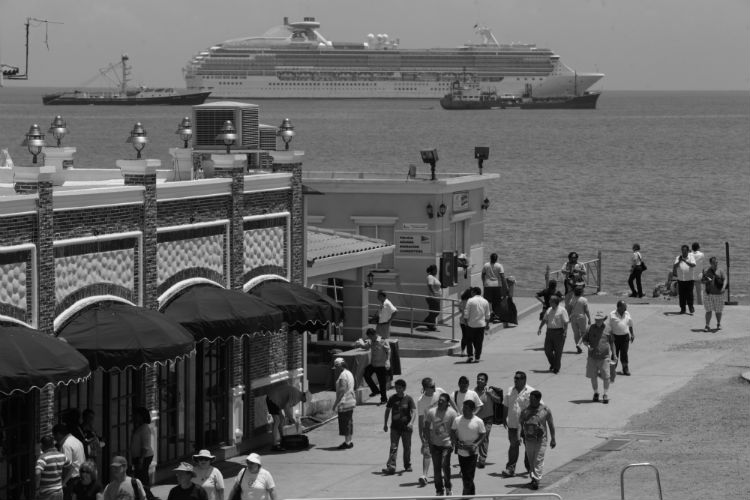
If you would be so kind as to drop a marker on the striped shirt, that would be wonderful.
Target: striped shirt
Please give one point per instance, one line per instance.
(50, 467)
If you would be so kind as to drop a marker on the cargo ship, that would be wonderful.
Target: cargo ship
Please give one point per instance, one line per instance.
(294, 60)
(123, 95)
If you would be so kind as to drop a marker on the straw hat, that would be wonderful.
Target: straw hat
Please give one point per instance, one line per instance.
(253, 458)
(599, 315)
(203, 454)
(185, 467)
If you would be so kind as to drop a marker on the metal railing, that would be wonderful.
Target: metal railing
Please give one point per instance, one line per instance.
(499, 496)
(593, 273)
(644, 464)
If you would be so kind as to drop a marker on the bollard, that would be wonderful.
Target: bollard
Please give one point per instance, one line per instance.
(729, 301)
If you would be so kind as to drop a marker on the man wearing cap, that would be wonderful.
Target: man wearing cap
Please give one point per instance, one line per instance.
(121, 486)
(601, 347)
(253, 482)
(345, 403)
(280, 402)
(186, 489)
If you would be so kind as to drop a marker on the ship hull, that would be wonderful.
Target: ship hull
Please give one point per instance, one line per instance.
(98, 100)
(585, 101)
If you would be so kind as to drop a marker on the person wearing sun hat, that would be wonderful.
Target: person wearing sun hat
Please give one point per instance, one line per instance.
(253, 482)
(186, 489)
(208, 476)
(345, 403)
(601, 345)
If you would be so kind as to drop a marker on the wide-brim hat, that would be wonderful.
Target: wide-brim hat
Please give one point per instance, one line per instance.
(203, 454)
(338, 361)
(119, 461)
(253, 458)
(185, 467)
(599, 315)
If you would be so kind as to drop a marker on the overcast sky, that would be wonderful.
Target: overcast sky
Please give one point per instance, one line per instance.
(638, 44)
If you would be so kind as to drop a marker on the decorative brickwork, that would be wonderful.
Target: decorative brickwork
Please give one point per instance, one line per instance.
(298, 260)
(46, 258)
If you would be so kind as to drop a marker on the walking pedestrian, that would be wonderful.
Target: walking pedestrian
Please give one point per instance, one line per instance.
(489, 396)
(515, 401)
(186, 489)
(637, 266)
(699, 258)
(477, 313)
(573, 272)
(465, 334)
(52, 468)
(280, 402)
(254, 482)
(493, 280)
(386, 311)
(428, 400)
(683, 269)
(465, 394)
(577, 307)
(620, 324)
(207, 476)
(73, 450)
(434, 293)
(715, 282)
(403, 413)
(467, 432)
(121, 486)
(556, 319)
(544, 295)
(438, 424)
(141, 450)
(380, 362)
(344, 404)
(601, 346)
(535, 422)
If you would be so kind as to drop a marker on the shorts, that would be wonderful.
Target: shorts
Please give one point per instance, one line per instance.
(597, 368)
(346, 423)
(713, 302)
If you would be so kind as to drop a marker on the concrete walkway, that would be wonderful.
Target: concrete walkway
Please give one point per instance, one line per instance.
(658, 365)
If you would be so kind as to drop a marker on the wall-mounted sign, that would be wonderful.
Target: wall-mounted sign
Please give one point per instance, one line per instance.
(461, 201)
(415, 226)
(413, 243)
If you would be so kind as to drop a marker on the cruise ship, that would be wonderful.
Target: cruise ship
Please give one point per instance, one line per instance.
(294, 60)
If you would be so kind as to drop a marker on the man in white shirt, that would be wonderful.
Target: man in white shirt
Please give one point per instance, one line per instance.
(683, 269)
(386, 310)
(477, 316)
(699, 258)
(493, 280)
(557, 321)
(466, 434)
(73, 450)
(620, 324)
(465, 394)
(515, 401)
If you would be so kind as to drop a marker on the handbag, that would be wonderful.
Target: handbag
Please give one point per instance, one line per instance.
(643, 265)
(612, 369)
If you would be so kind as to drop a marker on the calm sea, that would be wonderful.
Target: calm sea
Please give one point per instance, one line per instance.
(657, 168)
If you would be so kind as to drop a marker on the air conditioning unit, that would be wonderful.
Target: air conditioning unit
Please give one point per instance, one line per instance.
(209, 118)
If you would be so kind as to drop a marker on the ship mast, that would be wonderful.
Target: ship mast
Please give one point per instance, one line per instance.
(25, 74)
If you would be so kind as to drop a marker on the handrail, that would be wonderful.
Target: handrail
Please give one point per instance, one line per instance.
(643, 464)
(497, 496)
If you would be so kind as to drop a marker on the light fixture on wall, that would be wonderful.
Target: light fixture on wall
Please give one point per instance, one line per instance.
(286, 132)
(485, 203)
(228, 135)
(441, 210)
(34, 141)
(138, 138)
(58, 129)
(481, 153)
(430, 156)
(369, 280)
(430, 211)
(185, 130)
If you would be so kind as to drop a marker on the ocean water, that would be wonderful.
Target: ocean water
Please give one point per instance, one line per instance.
(656, 168)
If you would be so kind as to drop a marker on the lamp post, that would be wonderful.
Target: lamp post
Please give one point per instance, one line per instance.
(185, 130)
(430, 156)
(481, 153)
(138, 138)
(228, 135)
(58, 129)
(34, 141)
(286, 131)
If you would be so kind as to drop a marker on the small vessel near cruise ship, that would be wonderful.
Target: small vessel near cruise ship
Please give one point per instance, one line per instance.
(469, 95)
(123, 95)
(294, 60)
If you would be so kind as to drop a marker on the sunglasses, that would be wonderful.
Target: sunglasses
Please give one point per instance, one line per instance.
(518, 378)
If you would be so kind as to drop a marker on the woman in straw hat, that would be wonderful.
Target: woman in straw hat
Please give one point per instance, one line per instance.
(208, 476)
(186, 489)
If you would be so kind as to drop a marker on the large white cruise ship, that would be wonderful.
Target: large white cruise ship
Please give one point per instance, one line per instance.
(295, 61)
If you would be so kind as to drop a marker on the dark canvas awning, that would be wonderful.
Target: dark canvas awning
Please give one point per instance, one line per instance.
(300, 305)
(115, 336)
(30, 359)
(211, 313)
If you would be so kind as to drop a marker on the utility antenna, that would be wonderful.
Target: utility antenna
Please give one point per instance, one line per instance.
(30, 21)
